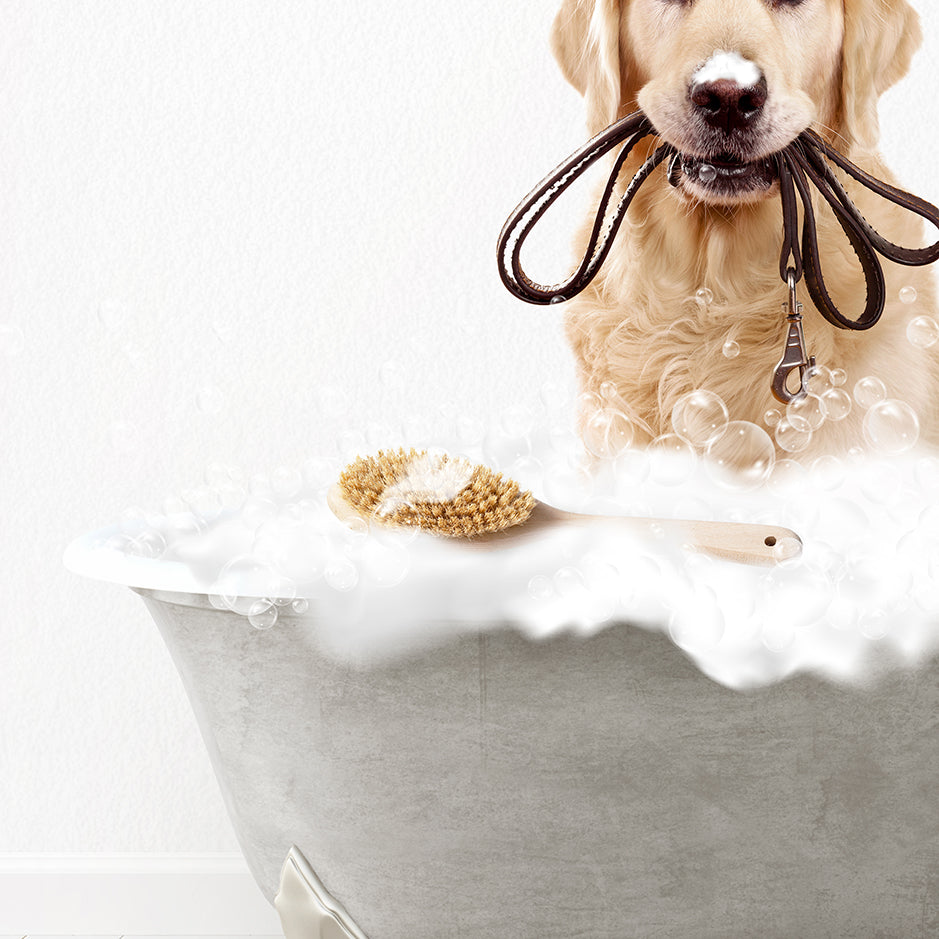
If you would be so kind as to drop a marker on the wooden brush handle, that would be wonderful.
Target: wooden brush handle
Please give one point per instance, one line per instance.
(731, 541)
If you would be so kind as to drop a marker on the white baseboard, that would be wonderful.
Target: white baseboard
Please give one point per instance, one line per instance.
(136, 894)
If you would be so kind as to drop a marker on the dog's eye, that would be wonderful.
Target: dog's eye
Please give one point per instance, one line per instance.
(777, 4)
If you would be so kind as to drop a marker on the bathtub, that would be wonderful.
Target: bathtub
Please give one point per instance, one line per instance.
(600, 787)
(531, 764)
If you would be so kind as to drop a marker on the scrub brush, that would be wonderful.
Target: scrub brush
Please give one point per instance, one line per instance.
(453, 497)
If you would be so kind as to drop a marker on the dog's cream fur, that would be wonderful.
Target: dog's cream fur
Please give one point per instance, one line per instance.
(641, 325)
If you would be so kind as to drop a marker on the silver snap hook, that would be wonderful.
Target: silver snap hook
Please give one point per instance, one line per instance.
(795, 355)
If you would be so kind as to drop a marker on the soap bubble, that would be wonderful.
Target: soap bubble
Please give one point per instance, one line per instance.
(569, 583)
(817, 379)
(806, 413)
(699, 417)
(243, 579)
(671, 459)
(772, 417)
(837, 403)
(838, 377)
(210, 399)
(787, 550)
(707, 173)
(262, 614)
(540, 587)
(341, 574)
(607, 433)
(742, 457)
(891, 426)
(704, 294)
(300, 606)
(869, 390)
(12, 340)
(148, 544)
(183, 524)
(609, 391)
(874, 624)
(731, 349)
(790, 438)
(923, 332)
(204, 502)
(908, 295)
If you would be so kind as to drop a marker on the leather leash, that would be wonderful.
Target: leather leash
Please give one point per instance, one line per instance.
(802, 163)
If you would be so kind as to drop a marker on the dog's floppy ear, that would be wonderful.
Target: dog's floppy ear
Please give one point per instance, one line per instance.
(880, 37)
(586, 42)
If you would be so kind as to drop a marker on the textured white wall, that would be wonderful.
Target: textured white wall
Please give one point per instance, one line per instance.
(221, 221)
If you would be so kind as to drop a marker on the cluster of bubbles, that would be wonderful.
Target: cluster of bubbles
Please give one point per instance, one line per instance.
(889, 425)
(738, 454)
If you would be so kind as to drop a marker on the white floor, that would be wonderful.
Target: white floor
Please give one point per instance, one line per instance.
(82, 936)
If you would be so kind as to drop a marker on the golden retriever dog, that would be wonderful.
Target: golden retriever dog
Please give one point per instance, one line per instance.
(690, 296)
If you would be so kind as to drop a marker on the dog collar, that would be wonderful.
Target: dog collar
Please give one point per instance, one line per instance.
(801, 163)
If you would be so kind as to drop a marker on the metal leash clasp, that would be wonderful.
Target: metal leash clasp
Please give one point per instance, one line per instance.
(795, 355)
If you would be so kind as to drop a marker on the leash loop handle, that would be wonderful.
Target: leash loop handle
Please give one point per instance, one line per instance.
(628, 131)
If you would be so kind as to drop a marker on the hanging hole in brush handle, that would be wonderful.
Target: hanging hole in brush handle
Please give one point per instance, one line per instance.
(628, 131)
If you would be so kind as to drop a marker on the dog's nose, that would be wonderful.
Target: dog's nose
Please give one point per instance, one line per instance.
(727, 105)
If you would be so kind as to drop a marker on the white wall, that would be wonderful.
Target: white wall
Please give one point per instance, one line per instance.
(255, 205)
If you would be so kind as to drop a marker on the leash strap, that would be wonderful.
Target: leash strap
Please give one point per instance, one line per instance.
(801, 163)
(631, 130)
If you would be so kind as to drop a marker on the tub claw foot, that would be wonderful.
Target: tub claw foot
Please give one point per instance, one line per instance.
(306, 909)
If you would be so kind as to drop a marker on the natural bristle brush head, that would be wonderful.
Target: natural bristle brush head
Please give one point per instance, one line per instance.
(433, 491)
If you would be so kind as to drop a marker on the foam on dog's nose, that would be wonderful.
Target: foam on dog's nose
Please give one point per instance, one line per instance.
(729, 66)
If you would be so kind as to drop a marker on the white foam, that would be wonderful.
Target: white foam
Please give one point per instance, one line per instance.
(730, 66)
(864, 593)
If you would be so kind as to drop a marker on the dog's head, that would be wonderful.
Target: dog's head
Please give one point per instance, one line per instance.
(730, 82)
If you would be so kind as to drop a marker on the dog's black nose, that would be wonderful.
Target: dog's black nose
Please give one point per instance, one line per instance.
(727, 106)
